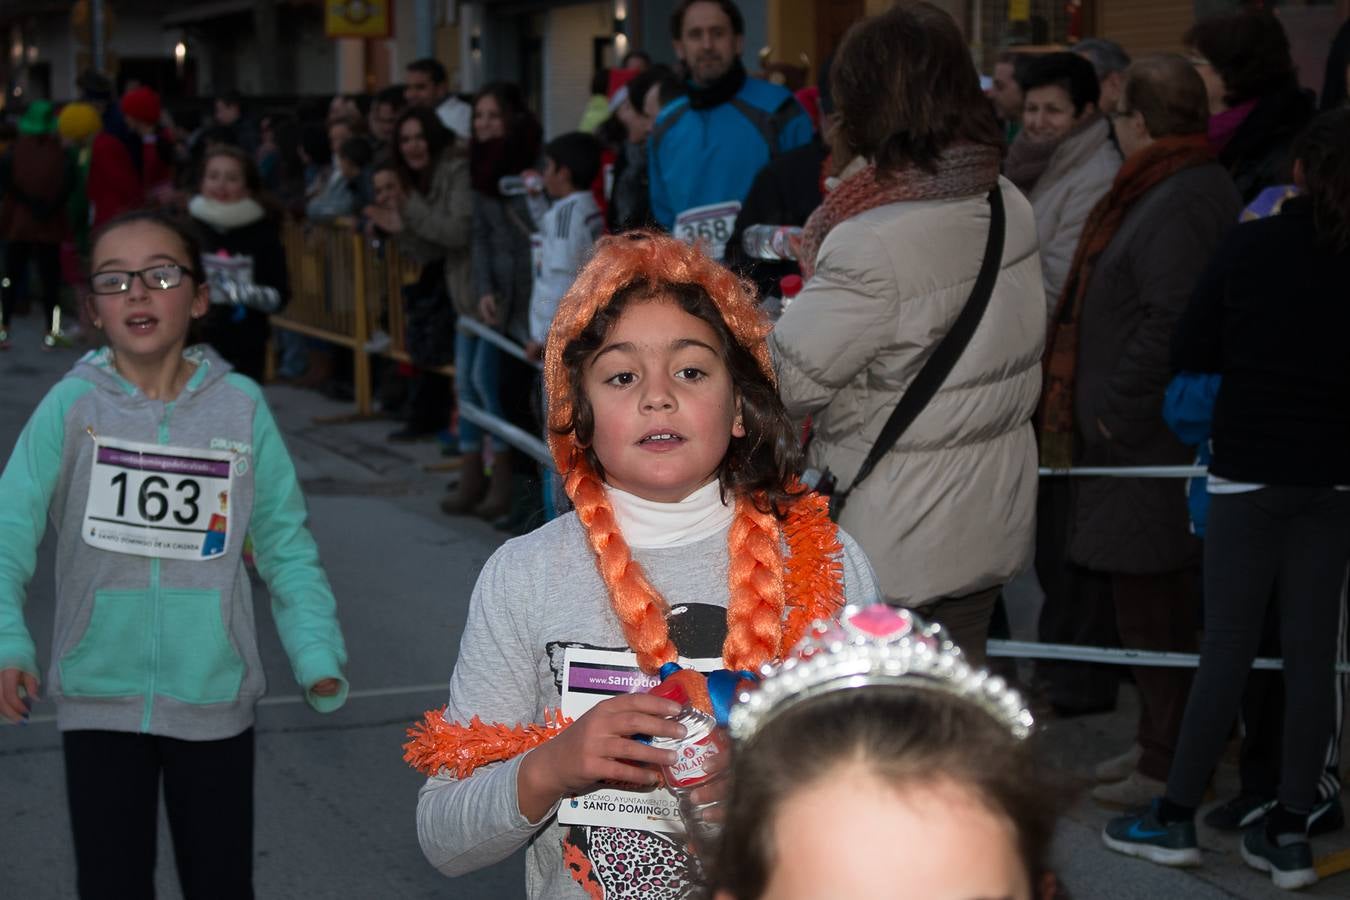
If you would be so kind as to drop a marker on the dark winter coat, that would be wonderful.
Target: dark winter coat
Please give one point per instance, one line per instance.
(1138, 289)
(1257, 156)
(36, 177)
(501, 259)
(1271, 315)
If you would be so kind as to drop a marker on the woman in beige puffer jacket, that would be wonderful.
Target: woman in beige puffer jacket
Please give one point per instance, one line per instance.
(948, 515)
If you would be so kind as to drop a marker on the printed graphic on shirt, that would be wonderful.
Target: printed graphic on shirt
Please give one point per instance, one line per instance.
(228, 276)
(620, 863)
(616, 864)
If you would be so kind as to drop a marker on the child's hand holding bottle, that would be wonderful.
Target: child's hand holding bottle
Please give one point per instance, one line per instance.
(599, 747)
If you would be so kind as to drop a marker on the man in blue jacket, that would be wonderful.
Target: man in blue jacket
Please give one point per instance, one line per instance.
(707, 146)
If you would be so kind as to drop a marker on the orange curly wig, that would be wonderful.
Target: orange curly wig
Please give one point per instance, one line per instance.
(755, 616)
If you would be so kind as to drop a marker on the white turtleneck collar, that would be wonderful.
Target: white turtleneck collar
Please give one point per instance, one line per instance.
(648, 525)
(224, 216)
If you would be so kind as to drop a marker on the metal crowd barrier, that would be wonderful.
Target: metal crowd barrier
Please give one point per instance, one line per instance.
(1116, 656)
(329, 294)
(344, 289)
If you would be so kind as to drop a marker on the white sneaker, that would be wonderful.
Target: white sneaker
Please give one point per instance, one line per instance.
(1131, 793)
(1118, 768)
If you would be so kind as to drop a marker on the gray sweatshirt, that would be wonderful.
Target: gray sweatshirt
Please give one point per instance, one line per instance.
(537, 595)
(156, 644)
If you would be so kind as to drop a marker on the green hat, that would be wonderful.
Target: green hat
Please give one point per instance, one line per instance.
(37, 119)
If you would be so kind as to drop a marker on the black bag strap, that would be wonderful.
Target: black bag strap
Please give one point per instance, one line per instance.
(944, 356)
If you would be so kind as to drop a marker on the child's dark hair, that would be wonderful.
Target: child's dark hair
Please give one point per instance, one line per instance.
(763, 464)
(357, 151)
(906, 738)
(579, 153)
(176, 225)
(1322, 149)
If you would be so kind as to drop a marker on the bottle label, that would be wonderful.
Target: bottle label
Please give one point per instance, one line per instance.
(691, 769)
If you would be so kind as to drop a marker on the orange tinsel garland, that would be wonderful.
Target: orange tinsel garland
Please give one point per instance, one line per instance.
(813, 577)
(437, 744)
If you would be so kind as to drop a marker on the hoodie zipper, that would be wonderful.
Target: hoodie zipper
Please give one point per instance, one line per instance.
(155, 563)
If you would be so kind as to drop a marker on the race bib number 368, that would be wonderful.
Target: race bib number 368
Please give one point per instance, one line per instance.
(708, 226)
(152, 500)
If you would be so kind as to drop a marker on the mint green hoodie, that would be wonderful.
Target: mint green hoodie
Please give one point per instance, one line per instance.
(156, 645)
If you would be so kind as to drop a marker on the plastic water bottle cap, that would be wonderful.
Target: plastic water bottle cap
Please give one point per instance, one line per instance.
(790, 285)
(670, 690)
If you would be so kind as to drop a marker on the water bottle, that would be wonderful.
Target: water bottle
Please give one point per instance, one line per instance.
(703, 740)
(774, 242)
(519, 185)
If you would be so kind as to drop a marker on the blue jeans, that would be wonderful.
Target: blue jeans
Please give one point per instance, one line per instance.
(478, 376)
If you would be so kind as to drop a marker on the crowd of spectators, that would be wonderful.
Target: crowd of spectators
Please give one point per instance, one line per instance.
(1118, 186)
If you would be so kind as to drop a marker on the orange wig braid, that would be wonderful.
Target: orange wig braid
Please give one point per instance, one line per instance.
(755, 614)
(640, 609)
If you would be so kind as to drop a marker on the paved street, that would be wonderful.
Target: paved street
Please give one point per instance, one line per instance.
(334, 800)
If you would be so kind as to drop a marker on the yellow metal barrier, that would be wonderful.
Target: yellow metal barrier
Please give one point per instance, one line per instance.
(328, 294)
(344, 288)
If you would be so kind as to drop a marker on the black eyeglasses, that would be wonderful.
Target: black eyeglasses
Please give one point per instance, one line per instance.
(157, 278)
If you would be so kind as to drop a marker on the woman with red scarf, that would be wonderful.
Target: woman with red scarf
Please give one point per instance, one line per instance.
(1107, 367)
(892, 257)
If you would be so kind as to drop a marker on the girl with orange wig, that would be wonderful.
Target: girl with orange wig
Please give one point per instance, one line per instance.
(691, 538)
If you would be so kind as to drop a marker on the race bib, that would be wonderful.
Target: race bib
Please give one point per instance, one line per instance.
(152, 500)
(708, 226)
(590, 676)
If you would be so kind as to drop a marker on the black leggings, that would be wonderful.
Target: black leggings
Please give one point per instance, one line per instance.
(1291, 542)
(112, 784)
(48, 259)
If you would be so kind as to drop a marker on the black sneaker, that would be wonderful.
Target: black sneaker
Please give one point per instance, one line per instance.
(1142, 835)
(1241, 812)
(1290, 866)
(1327, 816)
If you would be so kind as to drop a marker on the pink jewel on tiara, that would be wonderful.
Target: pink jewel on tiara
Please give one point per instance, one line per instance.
(881, 622)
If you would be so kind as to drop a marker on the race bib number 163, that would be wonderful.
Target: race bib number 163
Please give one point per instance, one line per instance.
(152, 500)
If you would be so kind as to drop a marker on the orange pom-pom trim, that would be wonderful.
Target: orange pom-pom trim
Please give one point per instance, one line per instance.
(437, 744)
(813, 573)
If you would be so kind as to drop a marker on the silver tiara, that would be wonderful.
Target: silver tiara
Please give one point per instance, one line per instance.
(871, 646)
